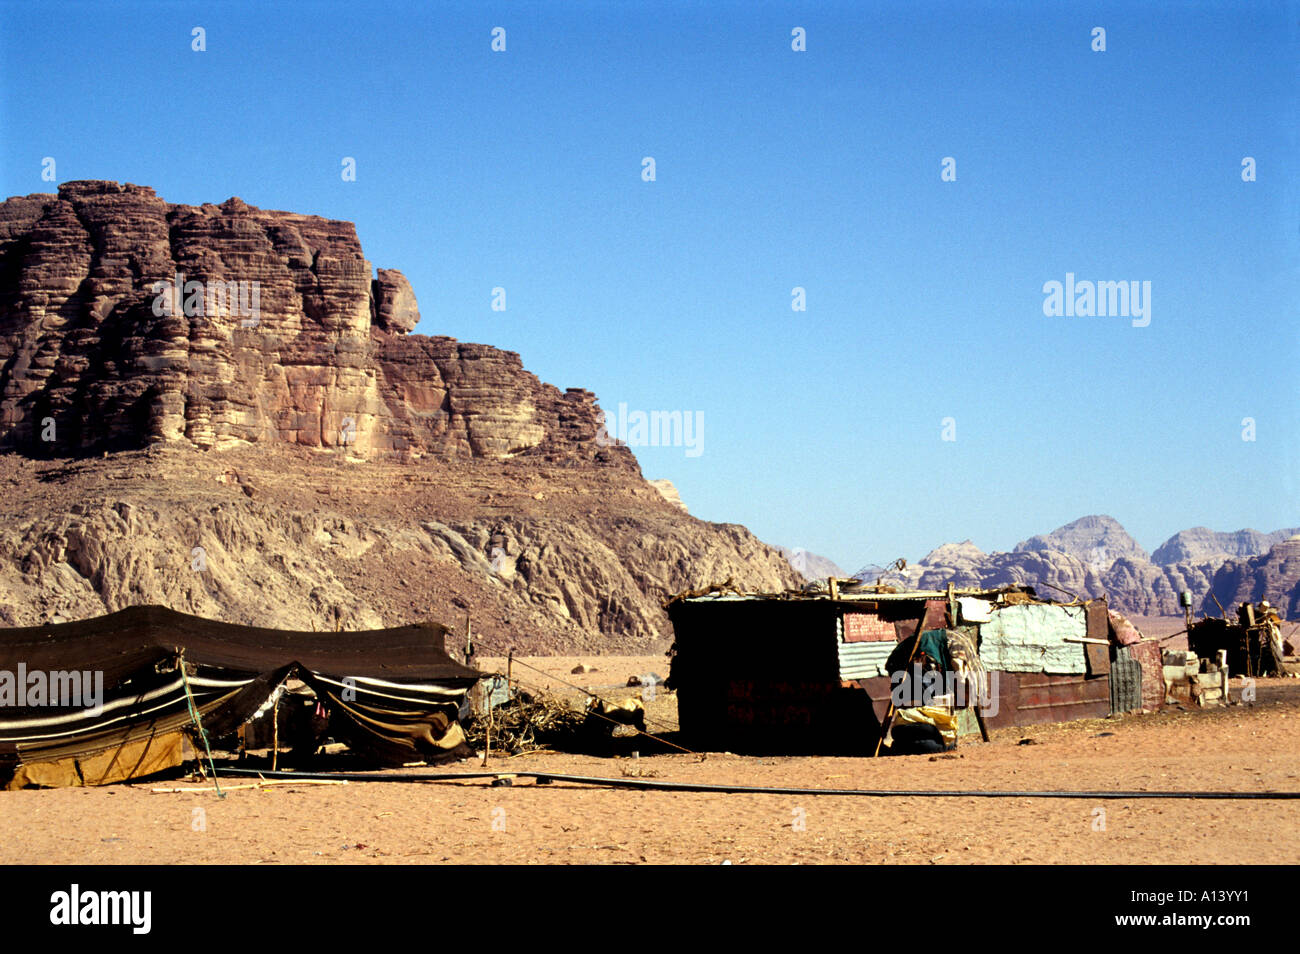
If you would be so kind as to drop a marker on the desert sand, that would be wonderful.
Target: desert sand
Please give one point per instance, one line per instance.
(1247, 748)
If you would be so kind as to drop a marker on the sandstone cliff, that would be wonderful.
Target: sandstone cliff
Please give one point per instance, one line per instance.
(1274, 576)
(220, 409)
(1097, 541)
(1202, 545)
(127, 321)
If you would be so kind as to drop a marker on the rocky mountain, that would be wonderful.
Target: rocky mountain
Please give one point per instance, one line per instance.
(1097, 541)
(1274, 576)
(126, 321)
(669, 493)
(1095, 555)
(222, 409)
(1202, 545)
(811, 566)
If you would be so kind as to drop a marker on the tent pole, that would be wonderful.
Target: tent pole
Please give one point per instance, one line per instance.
(194, 714)
(889, 713)
(275, 732)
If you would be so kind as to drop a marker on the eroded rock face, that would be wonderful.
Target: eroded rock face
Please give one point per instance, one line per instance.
(1203, 545)
(1095, 556)
(669, 492)
(1274, 576)
(278, 347)
(127, 321)
(541, 557)
(395, 307)
(1097, 541)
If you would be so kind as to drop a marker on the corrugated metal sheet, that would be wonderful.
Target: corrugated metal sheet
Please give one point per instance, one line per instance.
(1153, 673)
(1125, 682)
(1030, 637)
(1029, 698)
(867, 628)
(863, 660)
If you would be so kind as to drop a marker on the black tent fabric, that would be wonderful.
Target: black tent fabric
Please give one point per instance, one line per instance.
(105, 699)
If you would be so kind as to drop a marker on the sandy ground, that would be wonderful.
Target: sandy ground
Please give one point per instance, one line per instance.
(1248, 748)
(555, 673)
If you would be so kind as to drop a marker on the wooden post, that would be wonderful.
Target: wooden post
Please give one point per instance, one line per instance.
(275, 733)
(1222, 657)
(889, 713)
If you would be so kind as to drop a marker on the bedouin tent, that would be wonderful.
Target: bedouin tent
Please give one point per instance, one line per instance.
(393, 694)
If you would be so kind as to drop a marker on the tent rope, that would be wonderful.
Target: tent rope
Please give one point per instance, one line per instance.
(565, 682)
(203, 733)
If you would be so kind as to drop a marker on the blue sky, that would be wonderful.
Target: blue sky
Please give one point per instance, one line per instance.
(775, 169)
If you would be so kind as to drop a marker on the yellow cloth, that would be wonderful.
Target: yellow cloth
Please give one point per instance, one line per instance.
(942, 719)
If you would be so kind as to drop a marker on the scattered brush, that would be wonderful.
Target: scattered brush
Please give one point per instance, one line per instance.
(525, 724)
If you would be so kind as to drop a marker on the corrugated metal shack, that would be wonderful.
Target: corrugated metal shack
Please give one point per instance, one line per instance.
(805, 671)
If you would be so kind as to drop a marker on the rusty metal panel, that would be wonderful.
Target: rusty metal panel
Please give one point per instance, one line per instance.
(877, 689)
(867, 628)
(936, 617)
(1098, 620)
(1028, 698)
(1007, 687)
(1098, 658)
(936, 614)
(1062, 698)
(1153, 673)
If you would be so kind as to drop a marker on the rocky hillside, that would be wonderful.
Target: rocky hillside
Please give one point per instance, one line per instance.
(127, 321)
(1095, 555)
(262, 440)
(1274, 576)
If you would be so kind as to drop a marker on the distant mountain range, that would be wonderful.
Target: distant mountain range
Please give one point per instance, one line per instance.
(1095, 556)
(810, 565)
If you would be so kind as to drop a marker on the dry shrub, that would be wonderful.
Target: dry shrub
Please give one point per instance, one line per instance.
(525, 724)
